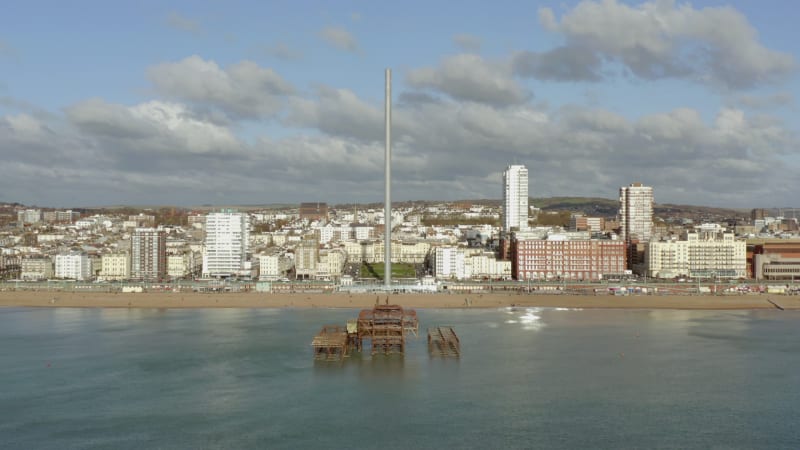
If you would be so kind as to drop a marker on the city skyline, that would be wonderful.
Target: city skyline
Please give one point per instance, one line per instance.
(189, 103)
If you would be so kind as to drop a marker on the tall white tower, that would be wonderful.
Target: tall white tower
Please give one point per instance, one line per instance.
(226, 246)
(387, 202)
(515, 198)
(636, 212)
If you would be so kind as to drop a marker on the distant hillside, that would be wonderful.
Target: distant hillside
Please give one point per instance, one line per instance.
(590, 206)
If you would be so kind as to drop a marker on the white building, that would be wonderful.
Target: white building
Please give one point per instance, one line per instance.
(73, 267)
(486, 265)
(116, 266)
(29, 216)
(515, 198)
(177, 266)
(46, 238)
(448, 263)
(704, 255)
(331, 263)
(461, 263)
(636, 212)
(273, 267)
(227, 243)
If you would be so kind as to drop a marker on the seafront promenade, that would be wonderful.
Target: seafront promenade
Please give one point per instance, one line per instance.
(418, 300)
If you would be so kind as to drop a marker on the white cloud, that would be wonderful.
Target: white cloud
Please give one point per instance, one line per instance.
(155, 127)
(470, 77)
(339, 38)
(662, 39)
(158, 153)
(244, 89)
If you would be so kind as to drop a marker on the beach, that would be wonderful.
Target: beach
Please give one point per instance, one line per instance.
(345, 300)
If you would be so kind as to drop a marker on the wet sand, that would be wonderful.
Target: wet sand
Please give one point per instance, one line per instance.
(345, 300)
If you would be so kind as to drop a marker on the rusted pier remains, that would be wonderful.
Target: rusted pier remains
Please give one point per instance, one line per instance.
(331, 343)
(386, 326)
(443, 341)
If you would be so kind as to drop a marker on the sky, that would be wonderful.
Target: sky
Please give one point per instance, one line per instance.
(238, 102)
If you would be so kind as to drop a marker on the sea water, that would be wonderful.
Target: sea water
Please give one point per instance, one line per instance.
(526, 378)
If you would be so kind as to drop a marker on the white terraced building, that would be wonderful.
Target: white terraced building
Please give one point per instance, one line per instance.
(116, 266)
(704, 255)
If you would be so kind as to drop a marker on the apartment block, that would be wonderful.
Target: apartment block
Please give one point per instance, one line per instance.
(703, 255)
(73, 266)
(148, 254)
(227, 243)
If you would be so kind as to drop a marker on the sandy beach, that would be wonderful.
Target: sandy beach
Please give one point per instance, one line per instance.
(344, 300)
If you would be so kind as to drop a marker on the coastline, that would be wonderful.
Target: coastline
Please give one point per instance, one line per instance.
(48, 299)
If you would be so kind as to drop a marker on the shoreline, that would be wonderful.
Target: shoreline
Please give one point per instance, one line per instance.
(160, 300)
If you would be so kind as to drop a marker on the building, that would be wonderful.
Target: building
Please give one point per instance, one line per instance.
(116, 266)
(559, 258)
(758, 214)
(68, 216)
(148, 254)
(28, 216)
(74, 266)
(306, 258)
(36, 269)
(331, 263)
(227, 243)
(10, 267)
(636, 212)
(142, 220)
(702, 255)
(515, 198)
(313, 211)
(774, 259)
(181, 265)
(580, 222)
(448, 263)
(272, 267)
(460, 263)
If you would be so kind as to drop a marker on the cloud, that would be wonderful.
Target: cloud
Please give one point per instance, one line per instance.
(470, 77)
(338, 112)
(244, 90)
(573, 150)
(559, 64)
(774, 100)
(331, 149)
(658, 39)
(182, 23)
(340, 38)
(152, 127)
(282, 51)
(467, 42)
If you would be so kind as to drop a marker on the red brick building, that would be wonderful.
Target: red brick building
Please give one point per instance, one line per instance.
(583, 259)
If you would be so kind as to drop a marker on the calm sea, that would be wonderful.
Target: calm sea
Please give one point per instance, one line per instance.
(530, 378)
